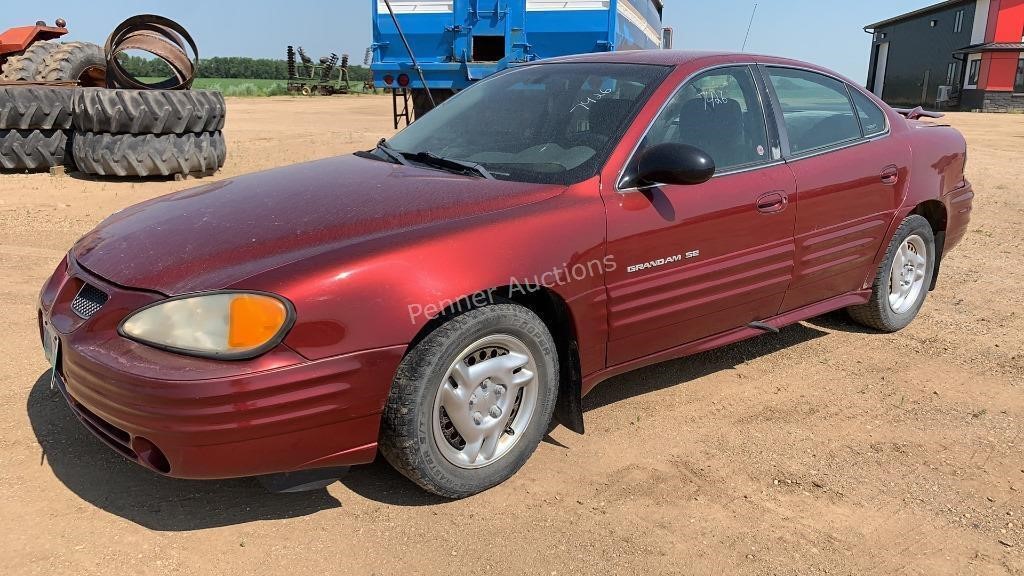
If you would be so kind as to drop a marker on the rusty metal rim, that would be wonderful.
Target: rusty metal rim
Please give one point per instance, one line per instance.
(160, 36)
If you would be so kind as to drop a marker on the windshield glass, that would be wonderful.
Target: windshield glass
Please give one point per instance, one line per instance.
(550, 123)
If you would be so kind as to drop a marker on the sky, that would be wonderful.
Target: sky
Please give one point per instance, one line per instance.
(825, 32)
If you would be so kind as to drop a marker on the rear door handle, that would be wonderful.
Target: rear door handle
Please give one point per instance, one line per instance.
(771, 202)
(890, 175)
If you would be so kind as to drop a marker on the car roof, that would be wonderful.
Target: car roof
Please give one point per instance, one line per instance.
(679, 57)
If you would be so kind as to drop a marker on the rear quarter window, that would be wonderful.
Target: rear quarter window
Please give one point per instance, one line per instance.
(872, 119)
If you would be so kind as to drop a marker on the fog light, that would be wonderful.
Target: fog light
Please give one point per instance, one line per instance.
(150, 456)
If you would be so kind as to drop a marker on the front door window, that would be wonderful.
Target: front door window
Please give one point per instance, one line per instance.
(719, 112)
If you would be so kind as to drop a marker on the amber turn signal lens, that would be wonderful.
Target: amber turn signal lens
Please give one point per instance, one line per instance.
(254, 320)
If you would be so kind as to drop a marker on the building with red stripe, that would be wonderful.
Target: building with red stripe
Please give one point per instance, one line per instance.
(959, 54)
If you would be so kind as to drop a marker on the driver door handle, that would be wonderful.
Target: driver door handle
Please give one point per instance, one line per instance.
(772, 202)
(890, 175)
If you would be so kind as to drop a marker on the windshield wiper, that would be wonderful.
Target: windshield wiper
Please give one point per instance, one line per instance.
(390, 152)
(449, 164)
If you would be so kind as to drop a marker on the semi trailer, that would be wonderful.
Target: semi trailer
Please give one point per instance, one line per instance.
(427, 50)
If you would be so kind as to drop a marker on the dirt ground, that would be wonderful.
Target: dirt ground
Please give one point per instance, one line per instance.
(821, 450)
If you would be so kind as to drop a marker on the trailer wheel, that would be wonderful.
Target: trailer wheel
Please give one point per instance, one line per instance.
(32, 150)
(421, 102)
(35, 108)
(149, 111)
(25, 66)
(146, 155)
(80, 62)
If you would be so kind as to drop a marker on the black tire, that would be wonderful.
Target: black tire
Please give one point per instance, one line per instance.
(32, 150)
(25, 66)
(75, 62)
(35, 108)
(149, 111)
(421, 102)
(877, 313)
(406, 438)
(130, 155)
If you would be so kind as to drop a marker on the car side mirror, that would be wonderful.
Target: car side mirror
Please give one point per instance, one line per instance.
(670, 163)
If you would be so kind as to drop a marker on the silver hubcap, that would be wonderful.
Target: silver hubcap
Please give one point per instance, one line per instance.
(485, 402)
(906, 279)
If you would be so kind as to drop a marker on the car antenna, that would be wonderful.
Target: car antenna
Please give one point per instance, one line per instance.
(749, 26)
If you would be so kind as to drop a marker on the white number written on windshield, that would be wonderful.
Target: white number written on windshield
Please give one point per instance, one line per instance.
(591, 100)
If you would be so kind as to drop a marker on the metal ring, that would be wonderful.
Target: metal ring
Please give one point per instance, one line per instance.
(160, 36)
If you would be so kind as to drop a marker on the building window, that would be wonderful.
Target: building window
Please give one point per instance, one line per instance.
(1018, 85)
(951, 74)
(958, 25)
(972, 73)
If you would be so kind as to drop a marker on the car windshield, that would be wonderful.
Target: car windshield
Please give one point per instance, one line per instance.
(549, 123)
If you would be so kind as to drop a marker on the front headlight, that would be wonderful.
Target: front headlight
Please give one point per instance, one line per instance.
(220, 324)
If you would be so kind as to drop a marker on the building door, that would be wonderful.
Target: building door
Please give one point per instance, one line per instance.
(881, 59)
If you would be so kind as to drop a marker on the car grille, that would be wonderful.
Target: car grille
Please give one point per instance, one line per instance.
(88, 301)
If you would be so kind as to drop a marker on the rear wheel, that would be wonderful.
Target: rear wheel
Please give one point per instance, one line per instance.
(25, 66)
(471, 402)
(903, 279)
(80, 62)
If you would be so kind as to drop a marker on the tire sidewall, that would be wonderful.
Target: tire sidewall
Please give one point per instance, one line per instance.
(427, 377)
(913, 225)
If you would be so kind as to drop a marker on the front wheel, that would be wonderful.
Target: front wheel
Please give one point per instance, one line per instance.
(903, 279)
(472, 401)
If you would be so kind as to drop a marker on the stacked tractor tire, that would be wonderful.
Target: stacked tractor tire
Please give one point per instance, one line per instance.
(59, 105)
(148, 132)
(35, 121)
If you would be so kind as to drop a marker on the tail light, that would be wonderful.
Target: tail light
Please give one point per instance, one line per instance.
(389, 79)
(403, 80)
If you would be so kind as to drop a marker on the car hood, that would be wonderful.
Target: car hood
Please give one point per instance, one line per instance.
(214, 236)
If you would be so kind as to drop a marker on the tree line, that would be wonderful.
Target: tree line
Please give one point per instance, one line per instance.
(228, 67)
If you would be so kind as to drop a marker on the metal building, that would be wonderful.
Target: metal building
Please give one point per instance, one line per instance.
(954, 55)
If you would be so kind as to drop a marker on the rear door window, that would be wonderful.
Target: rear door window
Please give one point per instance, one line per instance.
(816, 108)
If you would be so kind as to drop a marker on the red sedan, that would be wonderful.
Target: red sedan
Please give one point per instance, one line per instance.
(443, 297)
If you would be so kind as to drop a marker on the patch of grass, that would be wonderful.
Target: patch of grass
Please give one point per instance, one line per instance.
(246, 87)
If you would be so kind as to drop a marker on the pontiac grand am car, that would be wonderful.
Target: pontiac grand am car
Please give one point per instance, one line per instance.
(442, 297)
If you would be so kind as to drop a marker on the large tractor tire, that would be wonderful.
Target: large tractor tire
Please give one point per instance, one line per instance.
(25, 66)
(35, 108)
(80, 62)
(148, 155)
(149, 111)
(32, 150)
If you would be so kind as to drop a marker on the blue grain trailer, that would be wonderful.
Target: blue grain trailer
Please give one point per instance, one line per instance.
(457, 42)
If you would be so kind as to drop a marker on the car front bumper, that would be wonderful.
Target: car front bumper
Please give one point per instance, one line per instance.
(200, 418)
